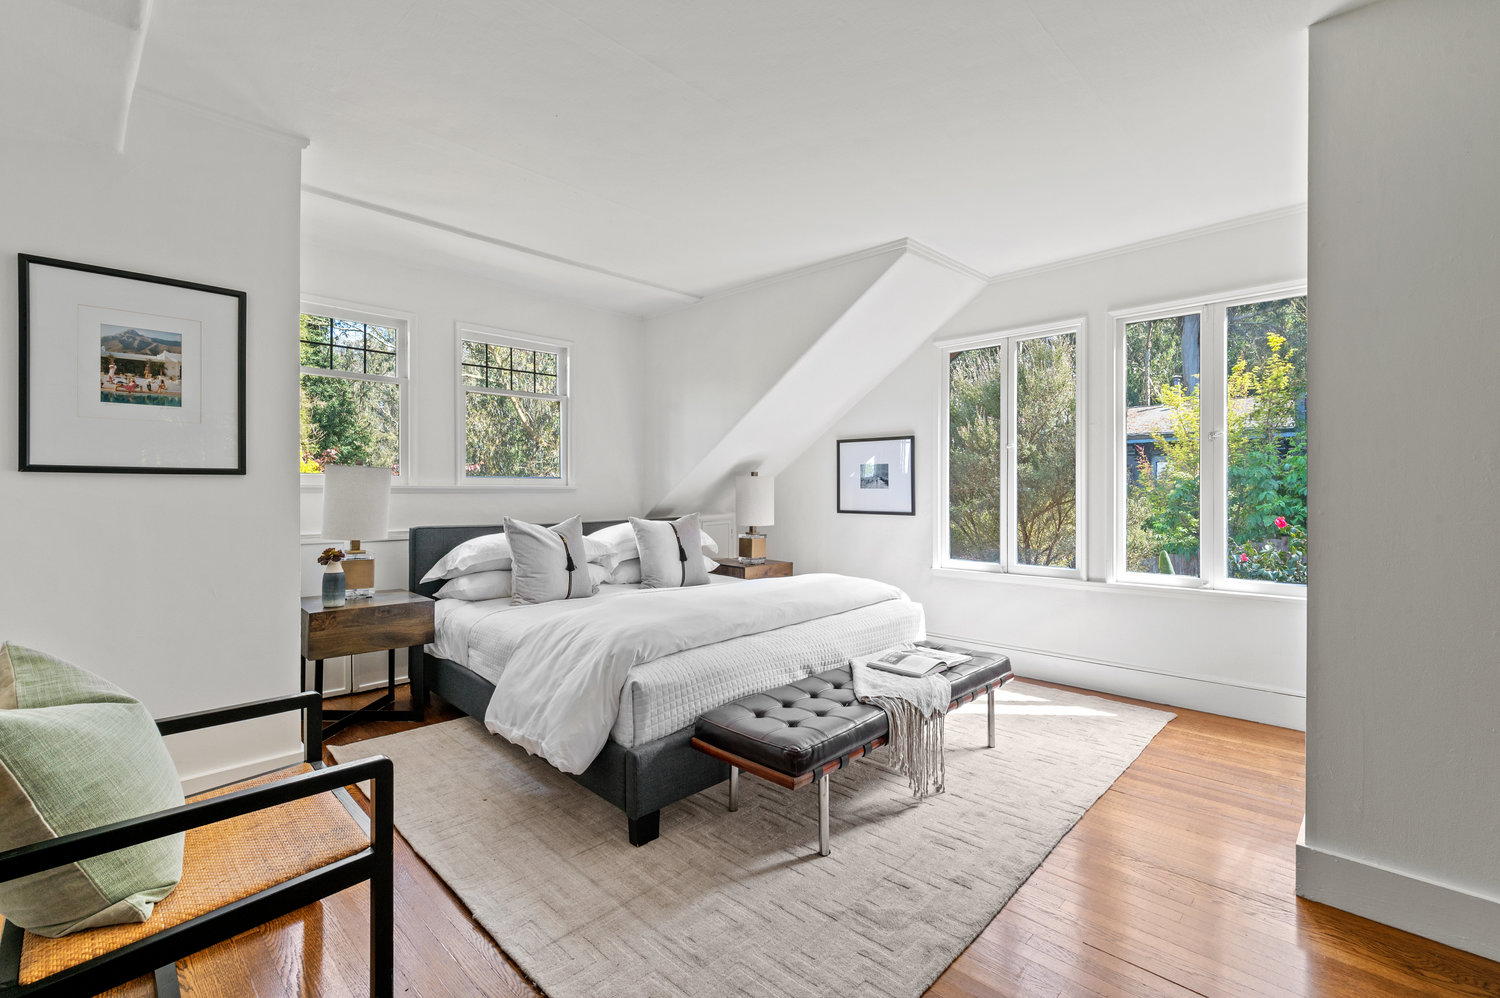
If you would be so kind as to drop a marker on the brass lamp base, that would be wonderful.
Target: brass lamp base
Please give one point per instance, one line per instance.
(359, 572)
(752, 548)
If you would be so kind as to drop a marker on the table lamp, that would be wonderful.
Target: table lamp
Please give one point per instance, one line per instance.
(356, 504)
(754, 503)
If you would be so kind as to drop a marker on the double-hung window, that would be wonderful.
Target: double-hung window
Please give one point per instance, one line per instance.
(1212, 475)
(353, 388)
(513, 408)
(1012, 478)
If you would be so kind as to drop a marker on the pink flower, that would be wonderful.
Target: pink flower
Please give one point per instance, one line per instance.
(1281, 522)
(1244, 557)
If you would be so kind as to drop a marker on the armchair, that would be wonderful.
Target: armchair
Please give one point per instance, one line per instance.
(255, 850)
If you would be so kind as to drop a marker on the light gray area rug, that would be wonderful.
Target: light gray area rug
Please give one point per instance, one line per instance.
(740, 903)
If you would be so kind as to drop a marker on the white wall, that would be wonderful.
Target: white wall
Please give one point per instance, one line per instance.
(710, 363)
(179, 588)
(607, 385)
(1403, 781)
(1235, 654)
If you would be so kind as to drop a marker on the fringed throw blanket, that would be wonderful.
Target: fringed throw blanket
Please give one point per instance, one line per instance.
(916, 708)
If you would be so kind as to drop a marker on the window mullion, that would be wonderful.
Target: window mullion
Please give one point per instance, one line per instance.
(1214, 421)
(1009, 546)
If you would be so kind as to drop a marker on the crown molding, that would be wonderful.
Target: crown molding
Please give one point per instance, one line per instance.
(781, 276)
(140, 24)
(1167, 240)
(173, 101)
(903, 245)
(944, 260)
(405, 216)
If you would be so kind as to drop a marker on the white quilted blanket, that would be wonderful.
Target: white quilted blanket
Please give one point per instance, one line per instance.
(560, 691)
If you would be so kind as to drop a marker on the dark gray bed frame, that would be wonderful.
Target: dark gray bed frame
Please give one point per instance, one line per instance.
(639, 781)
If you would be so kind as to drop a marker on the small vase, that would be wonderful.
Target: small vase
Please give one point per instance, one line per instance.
(333, 585)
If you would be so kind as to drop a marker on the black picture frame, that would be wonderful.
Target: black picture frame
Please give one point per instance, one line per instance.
(47, 370)
(897, 496)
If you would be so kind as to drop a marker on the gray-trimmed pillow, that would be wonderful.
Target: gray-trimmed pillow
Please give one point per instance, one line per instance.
(77, 752)
(548, 563)
(671, 552)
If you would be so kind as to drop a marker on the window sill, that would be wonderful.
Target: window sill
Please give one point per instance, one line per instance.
(480, 487)
(1127, 588)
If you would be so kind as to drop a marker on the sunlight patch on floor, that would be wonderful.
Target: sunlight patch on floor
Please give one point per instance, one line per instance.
(1015, 704)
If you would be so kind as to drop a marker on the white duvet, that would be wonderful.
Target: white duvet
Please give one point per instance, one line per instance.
(560, 691)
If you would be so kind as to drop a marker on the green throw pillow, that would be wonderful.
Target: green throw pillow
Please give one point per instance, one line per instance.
(77, 752)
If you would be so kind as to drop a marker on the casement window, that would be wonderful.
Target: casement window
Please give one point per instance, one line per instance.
(1212, 452)
(1013, 472)
(513, 408)
(354, 379)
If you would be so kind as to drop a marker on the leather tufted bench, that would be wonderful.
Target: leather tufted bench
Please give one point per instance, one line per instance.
(800, 733)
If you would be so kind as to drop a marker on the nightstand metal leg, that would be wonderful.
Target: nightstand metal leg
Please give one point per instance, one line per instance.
(416, 678)
(734, 788)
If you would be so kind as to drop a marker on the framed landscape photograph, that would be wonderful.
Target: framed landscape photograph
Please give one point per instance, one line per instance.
(125, 372)
(875, 476)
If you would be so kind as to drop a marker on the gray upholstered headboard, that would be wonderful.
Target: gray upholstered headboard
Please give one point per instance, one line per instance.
(426, 545)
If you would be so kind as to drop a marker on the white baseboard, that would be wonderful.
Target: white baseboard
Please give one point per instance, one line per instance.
(208, 779)
(1264, 705)
(1446, 914)
(368, 676)
(379, 684)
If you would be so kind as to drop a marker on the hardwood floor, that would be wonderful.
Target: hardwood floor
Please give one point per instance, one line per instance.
(1179, 881)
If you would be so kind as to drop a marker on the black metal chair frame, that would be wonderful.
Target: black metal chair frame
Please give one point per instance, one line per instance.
(157, 954)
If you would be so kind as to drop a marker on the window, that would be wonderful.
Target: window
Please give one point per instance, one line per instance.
(1012, 470)
(1214, 456)
(353, 387)
(513, 396)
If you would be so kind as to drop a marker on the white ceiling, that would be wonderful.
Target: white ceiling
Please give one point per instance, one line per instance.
(696, 145)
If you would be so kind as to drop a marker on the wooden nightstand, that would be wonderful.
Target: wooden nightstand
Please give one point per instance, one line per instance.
(770, 570)
(391, 619)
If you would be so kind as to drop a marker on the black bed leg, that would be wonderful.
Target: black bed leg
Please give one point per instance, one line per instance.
(645, 828)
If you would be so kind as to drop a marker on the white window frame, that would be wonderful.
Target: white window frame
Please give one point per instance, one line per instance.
(477, 333)
(403, 323)
(1009, 563)
(1213, 460)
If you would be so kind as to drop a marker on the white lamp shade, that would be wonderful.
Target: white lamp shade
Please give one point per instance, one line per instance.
(755, 500)
(356, 502)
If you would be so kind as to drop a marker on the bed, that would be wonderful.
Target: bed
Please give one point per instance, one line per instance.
(646, 762)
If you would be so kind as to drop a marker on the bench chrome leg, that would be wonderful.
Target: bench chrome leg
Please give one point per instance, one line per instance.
(991, 696)
(734, 788)
(823, 816)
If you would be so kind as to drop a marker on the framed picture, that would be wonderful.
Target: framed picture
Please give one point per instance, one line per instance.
(124, 372)
(875, 476)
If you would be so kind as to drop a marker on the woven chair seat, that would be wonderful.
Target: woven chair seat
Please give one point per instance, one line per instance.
(222, 863)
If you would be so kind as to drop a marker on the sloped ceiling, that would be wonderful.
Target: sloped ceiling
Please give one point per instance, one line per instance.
(696, 146)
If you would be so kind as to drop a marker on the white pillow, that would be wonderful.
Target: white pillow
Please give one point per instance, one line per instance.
(598, 576)
(478, 585)
(608, 546)
(548, 563)
(488, 553)
(629, 572)
(665, 562)
(625, 573)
